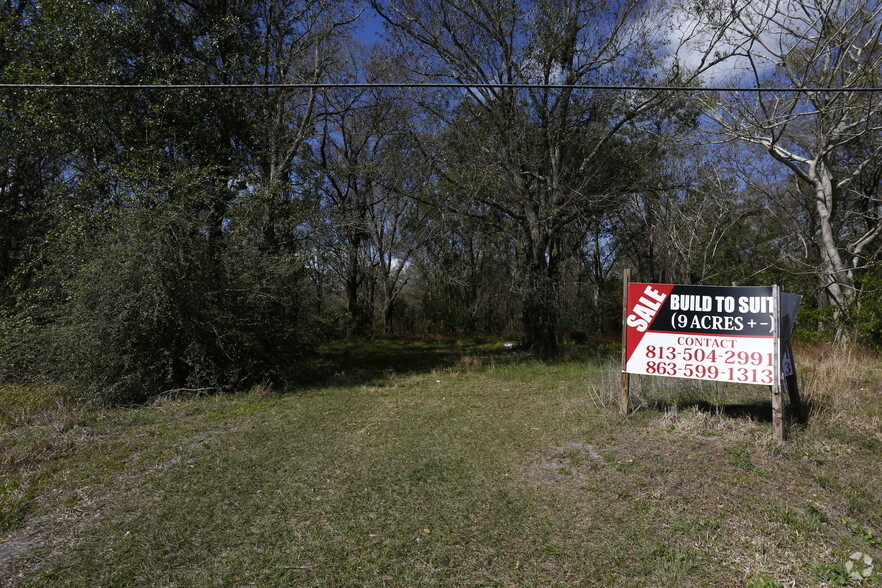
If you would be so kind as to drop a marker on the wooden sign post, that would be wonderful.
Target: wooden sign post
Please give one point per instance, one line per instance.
(777, 404)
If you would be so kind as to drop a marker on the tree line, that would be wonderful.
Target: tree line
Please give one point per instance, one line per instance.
(201, 237)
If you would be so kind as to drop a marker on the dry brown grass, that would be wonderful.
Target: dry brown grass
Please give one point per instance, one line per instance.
(691, 422)
(841, 386)
(37, 405)
(471, 361)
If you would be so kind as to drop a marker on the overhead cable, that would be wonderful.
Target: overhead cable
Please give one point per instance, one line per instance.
(430, 85)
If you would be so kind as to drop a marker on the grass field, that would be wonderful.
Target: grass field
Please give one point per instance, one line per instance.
(448, 463)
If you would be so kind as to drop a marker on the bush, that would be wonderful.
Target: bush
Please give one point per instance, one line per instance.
(149, 303)
(869, 315)
(20, 351)
(815, 326)
(863, 322)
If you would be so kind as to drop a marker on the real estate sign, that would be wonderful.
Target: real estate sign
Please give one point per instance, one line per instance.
(725, 334)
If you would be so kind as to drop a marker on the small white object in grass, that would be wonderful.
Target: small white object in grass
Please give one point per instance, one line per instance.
(509, 345)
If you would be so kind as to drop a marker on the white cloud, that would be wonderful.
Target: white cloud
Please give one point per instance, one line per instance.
(734, 45)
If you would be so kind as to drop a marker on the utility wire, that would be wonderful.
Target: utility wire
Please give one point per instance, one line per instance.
(430, 85)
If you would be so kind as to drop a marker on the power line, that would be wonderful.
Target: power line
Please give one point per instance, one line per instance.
(428, 85)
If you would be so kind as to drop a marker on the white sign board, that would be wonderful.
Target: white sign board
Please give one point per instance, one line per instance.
(720, 333)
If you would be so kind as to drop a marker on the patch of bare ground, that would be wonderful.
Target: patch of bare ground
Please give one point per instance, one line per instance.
(15, 560)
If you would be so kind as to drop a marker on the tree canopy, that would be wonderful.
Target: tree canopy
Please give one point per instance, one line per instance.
(206, 238)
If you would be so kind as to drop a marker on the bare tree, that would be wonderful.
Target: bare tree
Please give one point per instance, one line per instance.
(369, 176)
(297, 41)
(830, 140)
(353, 133)
(546, 160)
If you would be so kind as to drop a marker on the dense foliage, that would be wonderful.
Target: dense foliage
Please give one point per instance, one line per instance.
(168, 239)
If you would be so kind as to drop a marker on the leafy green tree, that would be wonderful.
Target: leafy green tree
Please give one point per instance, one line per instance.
(164, 267)
(148, 304)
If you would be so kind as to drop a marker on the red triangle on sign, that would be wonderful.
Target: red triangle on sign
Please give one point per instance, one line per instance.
(644, 302)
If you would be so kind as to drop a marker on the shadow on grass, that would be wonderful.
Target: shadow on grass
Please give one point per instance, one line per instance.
(366, 361)
(760, 411)
(756, 411)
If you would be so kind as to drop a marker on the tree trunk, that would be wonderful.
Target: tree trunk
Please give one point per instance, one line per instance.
(388, 327)
(837, 276)
(540, 309)
(359, 313)
(6, 240)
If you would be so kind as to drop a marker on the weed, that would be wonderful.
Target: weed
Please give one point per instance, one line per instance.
(742, 460)
(761, 582)
(833, 574)
(817, 514)
(787, 516)
(861, 532)
(16, 503)
(823, 480)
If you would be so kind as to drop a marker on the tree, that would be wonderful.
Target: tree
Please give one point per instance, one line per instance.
(165, 268)
(548, 160)
(463, 272)
(298, 41)
(367, 173)
(37, 128)
(829, 140)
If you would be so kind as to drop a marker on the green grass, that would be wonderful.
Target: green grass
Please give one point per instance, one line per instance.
(436, 463)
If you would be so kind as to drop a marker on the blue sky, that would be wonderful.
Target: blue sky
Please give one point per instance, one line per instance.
(371, 26)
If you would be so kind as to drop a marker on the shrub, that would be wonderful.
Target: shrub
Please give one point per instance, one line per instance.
(147, 303)
(869, 314)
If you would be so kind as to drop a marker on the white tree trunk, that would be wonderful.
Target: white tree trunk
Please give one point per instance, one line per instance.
(838, 277)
